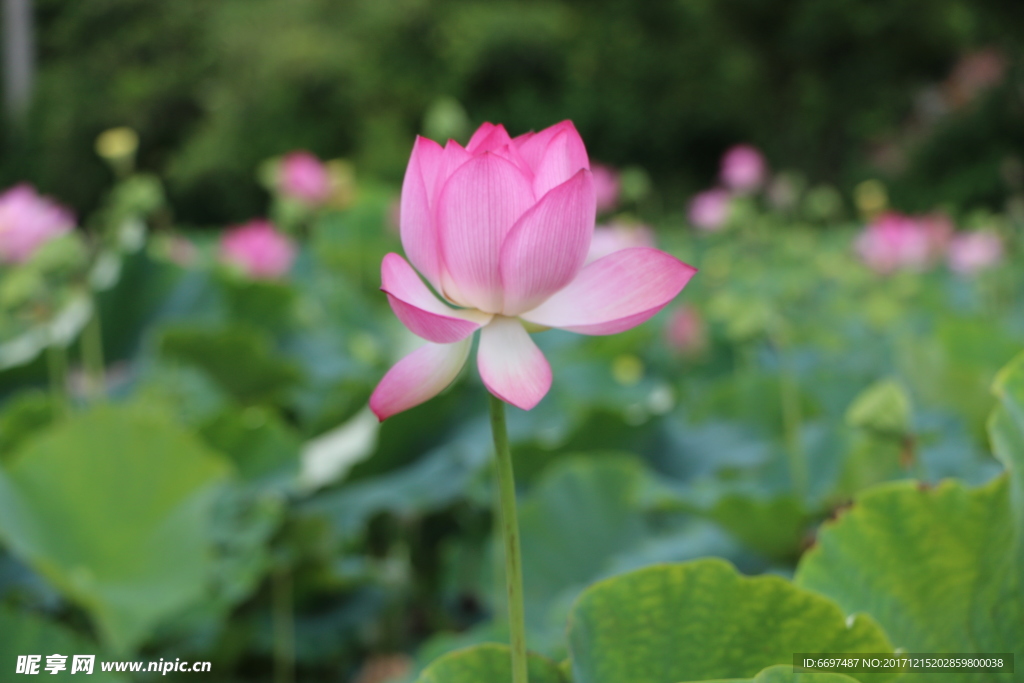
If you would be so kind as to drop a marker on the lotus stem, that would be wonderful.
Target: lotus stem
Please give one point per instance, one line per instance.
(510, 535)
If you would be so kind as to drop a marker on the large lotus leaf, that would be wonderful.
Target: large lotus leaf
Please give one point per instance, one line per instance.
(28, 634)
(113, 507)
(935, 567)
(703, 621)
(487, 663)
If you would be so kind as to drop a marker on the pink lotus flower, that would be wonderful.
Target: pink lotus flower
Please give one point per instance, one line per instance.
(743, 169)
(972, 252)
(609, 239)
(685, 331)
(258, 249)
(709, 210)
(501, 228)
(894, 241)
(304, 177)
(27, 221)
(606, 187)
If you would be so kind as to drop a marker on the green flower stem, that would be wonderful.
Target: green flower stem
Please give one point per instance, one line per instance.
(57, 366)
(792, 422)
(284, 625)
(510, 535)
(92, 355)
(794, 439)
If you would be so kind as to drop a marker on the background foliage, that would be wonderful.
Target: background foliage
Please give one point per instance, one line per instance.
(824, 88)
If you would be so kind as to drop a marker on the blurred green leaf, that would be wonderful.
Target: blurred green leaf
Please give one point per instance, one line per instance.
(113, 508)
(265, 304)
(1006, 425)
(581, 514)
(438, 478)
(241, 360)
(702, 620)
(28, 634)
(263, 449)
(22, 416)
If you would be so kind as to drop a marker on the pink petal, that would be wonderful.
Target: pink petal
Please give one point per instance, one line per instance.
(454, 156)
(535, 148)
(418, 377)
(420, 310)
(548, 245)
(416, 218)
(564, 157)
(487, 138)
(511, 365)
(476, 210)
(615, 293)
(511, 153)
(533, 145)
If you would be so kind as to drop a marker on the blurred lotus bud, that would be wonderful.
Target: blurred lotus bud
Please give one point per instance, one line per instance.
(743, 169)
(342, 175)
(784, 190)
(445, 119)
(972, 252)
(973, 75)
(627, 369)
(304, 177)
(177, 249)
(27, 221)
(685, 332)
(709, 210)
(871, 198)
(258, 250)
(117, 146)
(608, 239)
(883, 408)
(606, 186)
(823, 202)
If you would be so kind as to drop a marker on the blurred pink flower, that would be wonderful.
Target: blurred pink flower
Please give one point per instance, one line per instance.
(614, 237)
(304, 177)
(258, 249)
(685, 332)
(606, 187)
(743, 169)
(939, 230)
(501, 228)
(27, 221)
(971, 252)
(894, 241)
(709, 210)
